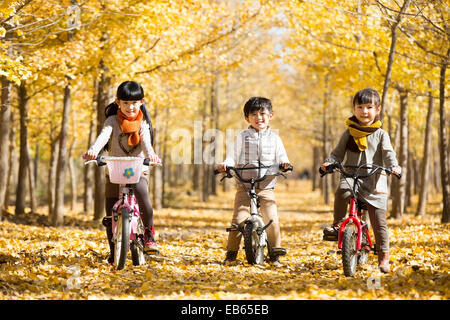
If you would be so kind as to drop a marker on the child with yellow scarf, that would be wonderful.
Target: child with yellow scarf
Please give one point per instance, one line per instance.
(364, 142)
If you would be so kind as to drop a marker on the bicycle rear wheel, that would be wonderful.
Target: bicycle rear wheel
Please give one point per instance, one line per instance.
(363, 254)
(137, 246)
(122, 239)
(349, 252)
(254, 252)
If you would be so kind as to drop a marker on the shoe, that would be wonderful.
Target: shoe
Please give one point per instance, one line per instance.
(383, 262)
(332, 230)
(276, 262)
(150, 246)
(109, 235)
(274, 256)
(111, 258)
(230, 258)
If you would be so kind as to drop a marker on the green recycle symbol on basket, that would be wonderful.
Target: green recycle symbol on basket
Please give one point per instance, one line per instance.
(128, 173)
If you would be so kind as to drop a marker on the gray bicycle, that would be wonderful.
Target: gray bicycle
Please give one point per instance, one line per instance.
(254, 229)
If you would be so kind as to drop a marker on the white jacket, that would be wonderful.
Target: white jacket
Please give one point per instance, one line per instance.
(255, 148)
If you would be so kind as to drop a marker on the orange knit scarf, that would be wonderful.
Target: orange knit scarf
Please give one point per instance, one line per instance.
(131, 126)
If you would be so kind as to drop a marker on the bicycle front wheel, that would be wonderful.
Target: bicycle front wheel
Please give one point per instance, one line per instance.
(122, 239)
(349, 252)
(254, 252)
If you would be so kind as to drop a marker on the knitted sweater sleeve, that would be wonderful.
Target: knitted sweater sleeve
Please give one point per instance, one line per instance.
(103, 137)
(338, 152)
(146, 140)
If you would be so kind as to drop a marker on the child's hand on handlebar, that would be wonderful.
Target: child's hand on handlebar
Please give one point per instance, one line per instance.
(285, 165)
(324, 166)
(221, 167)
(90, 155)
(397, 170)
(154, 159)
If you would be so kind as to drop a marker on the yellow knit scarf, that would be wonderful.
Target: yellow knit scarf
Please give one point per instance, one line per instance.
(360, 133)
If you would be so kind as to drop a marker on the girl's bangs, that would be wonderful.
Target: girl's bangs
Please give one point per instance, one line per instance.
(130, 95)
(130, 91)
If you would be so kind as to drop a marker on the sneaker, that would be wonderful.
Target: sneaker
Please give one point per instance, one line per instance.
(150, 246)
(275, 261)
(332, 230)
(274, 256)
(230, 258)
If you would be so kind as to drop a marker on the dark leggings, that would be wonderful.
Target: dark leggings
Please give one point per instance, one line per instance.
(142, 197)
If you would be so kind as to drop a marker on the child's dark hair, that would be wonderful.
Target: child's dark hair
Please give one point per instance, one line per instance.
(255, 104)
(130, 91)
(366, 96)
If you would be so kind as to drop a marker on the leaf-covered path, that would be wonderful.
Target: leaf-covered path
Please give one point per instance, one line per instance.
(39, 262)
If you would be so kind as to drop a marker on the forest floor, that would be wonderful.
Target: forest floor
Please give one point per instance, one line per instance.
(68, 262)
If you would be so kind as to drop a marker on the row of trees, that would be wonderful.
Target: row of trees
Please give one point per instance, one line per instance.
(198, 62)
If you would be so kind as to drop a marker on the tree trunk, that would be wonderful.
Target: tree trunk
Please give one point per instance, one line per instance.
(103, 98)
(5, 113)
(58, 214)
(23, 161)
(158, 171)
(399, 201)
(443, 145)
(425, 170)
(326, 180)
(31, 182)
(51, 180)
(73, 179)
(88, 170)
(387, 77)
(12, 162)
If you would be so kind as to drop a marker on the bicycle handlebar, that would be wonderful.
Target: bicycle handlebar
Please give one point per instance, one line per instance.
(341, 168)
(99, 161)
(236, 171)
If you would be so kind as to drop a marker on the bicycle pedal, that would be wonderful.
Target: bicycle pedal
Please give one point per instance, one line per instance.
(232, 228)
(279, 251)
(106, 221)
(328, 237)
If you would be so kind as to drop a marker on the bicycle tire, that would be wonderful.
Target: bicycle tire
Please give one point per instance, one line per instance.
(136, 246)
(253, 252)
(349, 254)
(122, 239)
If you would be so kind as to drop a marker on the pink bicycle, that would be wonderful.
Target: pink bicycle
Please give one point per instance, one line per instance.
(127, 226)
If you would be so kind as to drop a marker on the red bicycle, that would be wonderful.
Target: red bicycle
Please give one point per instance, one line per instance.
(353, 236)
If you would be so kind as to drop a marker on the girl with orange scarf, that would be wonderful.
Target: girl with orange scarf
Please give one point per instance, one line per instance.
(128, 132)
(364, 142)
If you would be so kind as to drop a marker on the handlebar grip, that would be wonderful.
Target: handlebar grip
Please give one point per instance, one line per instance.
(146, 161)
(322, 173)
(216, 171)
(286, 170)
(397, 175)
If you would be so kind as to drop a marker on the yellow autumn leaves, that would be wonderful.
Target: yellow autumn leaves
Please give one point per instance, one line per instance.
(38, 262)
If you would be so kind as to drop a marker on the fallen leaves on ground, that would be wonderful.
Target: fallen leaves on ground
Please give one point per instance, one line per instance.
(42, 262)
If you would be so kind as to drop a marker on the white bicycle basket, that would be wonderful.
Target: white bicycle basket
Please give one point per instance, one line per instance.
(124, 170)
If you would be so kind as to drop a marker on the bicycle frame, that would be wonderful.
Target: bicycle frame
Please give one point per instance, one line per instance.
(128, 201)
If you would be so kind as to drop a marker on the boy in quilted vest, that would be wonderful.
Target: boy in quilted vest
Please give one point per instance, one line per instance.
(258, 145)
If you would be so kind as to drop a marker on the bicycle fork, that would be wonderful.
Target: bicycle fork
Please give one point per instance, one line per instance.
(255, 219)
(127, 202)
(359, 227)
